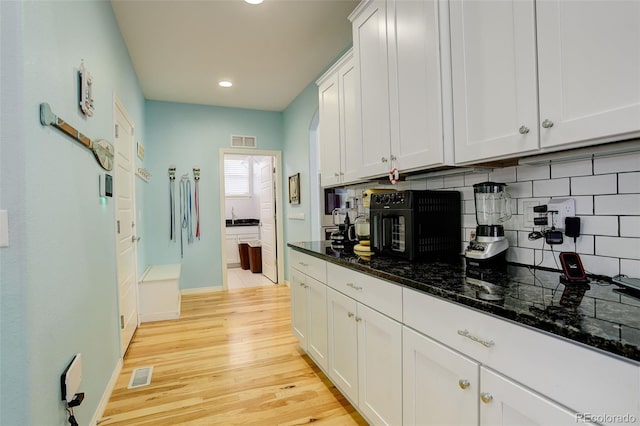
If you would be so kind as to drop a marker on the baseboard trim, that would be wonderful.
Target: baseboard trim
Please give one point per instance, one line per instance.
(97, 416)
(287, 283)
(200, 290)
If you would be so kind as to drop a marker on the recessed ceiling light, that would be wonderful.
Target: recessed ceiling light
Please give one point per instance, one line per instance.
(225, 83)
(254, 1)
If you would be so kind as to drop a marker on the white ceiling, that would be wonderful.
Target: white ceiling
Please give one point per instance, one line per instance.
(181, 48)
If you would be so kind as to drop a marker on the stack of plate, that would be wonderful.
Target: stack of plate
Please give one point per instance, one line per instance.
(363, 250)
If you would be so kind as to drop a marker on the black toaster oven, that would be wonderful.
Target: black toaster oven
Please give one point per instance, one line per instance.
(416, 224)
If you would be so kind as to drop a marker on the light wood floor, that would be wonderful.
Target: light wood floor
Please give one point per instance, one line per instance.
(229, 360)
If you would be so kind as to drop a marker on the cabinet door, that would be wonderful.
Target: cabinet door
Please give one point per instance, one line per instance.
(507, 403)
(343, 343)
(233, 255)
(370, 53)
(494, 78)
(299, 307)
(317, 322)
(351, 146)
(379, 367)
(329, 131)
(415, 83)
(588, 65)
(440, 385)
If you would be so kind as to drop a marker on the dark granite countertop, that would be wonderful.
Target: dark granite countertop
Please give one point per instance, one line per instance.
(599, 314)
(242, 222)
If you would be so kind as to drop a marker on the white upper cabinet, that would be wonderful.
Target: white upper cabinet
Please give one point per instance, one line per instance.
(338, 130)
(370, 52)
(589, 70)
(493, 50)
(578, 87)
(417, 83)
(398, 50)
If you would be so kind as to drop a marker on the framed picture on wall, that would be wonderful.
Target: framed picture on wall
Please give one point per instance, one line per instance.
(294, 189)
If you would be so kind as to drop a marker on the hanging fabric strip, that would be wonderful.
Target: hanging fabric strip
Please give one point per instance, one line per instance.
(172, 203)
(196, 178)
(185, 213)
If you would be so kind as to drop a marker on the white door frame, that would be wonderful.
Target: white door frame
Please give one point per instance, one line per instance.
(118, 105)
(277, 155)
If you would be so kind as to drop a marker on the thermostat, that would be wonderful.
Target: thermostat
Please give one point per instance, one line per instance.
(106, 185)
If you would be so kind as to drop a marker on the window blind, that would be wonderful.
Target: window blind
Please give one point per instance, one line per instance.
(237, 176)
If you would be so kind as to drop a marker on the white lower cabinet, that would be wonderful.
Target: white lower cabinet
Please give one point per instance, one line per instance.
(309, 316)
(440, 386)
(365, 358)
(507, 403)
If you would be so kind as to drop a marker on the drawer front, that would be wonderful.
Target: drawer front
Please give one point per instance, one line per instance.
(583, 379)
(309, 265)
(380, 295)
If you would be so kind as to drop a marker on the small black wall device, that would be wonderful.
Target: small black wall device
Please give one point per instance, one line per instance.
(572, 267)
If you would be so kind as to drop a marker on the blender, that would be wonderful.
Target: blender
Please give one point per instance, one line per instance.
(493, 207)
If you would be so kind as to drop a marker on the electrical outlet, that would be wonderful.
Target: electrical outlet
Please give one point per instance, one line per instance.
(528, 213)
(558, 209)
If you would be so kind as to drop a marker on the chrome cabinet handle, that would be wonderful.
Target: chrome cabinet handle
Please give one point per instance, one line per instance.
(350, 314)
(358, 319)
(523, 130)
(384, 159)
(302, 264)
(463, 383)
(547, 123)
(393, 157)
(353, 286)
(134, 239)
(485, 343)
(486, 397)
(336, 174)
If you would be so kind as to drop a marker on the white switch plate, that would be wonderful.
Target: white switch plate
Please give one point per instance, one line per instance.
(529, 213)
(4, 228)
(296, 216)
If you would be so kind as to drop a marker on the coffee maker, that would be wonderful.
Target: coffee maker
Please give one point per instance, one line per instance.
(344, 238)
(493, 207)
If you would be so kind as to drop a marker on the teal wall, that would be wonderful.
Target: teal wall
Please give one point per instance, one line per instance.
(191, 135)
(297, 119)
(59, 294)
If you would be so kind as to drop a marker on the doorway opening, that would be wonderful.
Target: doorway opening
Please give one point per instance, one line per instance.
(251, 218)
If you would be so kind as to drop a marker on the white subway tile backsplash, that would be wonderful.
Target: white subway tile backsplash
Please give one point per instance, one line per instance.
(576, 168)
(532, 172)
(473, 178)
(585, 244)
(515, 223)
(630, 226)
(504, 175)
(584, 204)
(592, 185)
(512, 237)
(599, 225)
(520, 255)
(418, 185)
(601, 265)
(469, 220)
(467, 193)
(616, 164)
(551, 188)
(453, 181)
(626, 204)
(435, 183)
(469, 207)
(630, 268)
(629, 183)
(520, 189)
(626, 248)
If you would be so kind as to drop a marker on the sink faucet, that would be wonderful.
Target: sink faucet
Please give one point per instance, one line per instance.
(233, 216)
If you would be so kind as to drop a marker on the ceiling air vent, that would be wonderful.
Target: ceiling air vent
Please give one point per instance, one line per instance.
(243, 141)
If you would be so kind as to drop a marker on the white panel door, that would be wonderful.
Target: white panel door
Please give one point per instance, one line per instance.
(370, 53)
(329, 132)
(494, 78)
(415, 84)
(440, 386)
(299, 307)
(379, 367)
(343, 343)
(507, 403)
(350, 148)
(589, 68)
(125, 227)
(268, 220)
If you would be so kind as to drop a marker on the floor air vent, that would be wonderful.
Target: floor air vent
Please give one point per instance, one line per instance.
(140, 377)
(243, 141)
